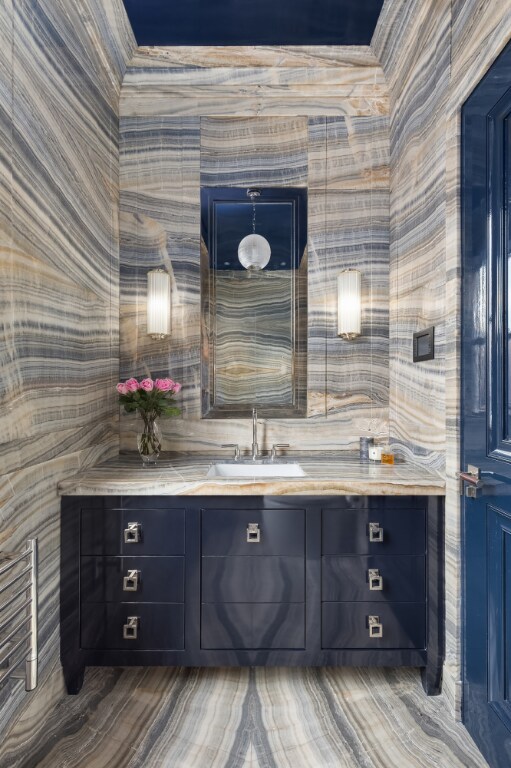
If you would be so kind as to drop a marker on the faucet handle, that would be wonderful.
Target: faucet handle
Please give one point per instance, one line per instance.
(236, 449)
(274, 449)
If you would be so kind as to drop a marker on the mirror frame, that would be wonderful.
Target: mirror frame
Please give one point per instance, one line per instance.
(210, 196)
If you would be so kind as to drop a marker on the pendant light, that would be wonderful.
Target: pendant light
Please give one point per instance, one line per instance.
(254, 250)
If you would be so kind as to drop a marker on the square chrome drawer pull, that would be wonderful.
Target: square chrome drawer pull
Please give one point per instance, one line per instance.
(130, 629)
(133, 533)
(131, 581)
(375, 626)
(375, 580)
(375, 532)
(253, 533)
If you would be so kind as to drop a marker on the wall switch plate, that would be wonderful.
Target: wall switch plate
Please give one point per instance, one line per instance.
(424, 345)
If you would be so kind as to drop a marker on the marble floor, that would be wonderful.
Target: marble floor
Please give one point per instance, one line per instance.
(243, 718)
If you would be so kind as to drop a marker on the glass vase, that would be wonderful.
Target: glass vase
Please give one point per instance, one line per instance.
(149, 442)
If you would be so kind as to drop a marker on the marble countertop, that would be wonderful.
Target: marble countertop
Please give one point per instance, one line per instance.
(185, 475)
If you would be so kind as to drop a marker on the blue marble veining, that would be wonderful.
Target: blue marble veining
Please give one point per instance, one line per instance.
(61, 67)
(433, 54)
(343, 160)
(261, 717)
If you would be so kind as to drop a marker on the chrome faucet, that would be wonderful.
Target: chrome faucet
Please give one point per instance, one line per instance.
(255, 447)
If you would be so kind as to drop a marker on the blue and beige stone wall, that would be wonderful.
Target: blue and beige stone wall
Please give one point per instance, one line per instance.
(314, 117)
(61, 66)
(433, 54)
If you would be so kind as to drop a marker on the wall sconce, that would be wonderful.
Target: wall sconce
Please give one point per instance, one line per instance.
(349, 304)
(158, 303)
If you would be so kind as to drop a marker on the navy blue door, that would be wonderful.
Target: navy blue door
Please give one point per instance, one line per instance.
(486, 412)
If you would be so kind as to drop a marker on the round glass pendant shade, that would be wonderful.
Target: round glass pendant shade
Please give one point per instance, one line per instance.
(254, 252)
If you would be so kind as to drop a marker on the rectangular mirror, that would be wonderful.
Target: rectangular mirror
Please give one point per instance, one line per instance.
(254, 301)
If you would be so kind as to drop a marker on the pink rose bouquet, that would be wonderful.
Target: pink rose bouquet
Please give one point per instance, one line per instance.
(151, 398)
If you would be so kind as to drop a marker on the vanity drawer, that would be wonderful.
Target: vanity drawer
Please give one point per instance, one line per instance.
(160, 626)
(346, 625)
(347, 531)
(152, 532)
(156, 579)
(282, 532)
(403, 578)
(248, 579)
(242, 626)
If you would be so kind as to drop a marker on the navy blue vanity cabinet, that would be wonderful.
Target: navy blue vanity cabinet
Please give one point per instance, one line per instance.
(374, 578)
(380, 579)
(252, 580)
(128, 567)
(132, 578)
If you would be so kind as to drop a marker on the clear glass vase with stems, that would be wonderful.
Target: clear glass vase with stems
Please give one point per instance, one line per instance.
(149, 439)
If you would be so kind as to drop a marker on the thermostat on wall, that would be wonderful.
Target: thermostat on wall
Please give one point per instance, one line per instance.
(424, 345)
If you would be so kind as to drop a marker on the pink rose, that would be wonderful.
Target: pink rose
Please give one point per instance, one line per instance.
(147, 384)
(122, 388)
(163, 384)
(176, 388)
(132, 385)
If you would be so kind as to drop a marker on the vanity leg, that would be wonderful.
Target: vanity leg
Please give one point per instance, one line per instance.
(74, 680)
(431, 676)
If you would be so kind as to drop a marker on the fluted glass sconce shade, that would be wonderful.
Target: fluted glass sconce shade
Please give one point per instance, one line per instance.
(349, 304)
(158, 303)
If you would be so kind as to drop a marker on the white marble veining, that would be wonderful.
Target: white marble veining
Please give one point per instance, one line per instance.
(243, 718)
(61, 67)
(187, 475)
(168, 152)
(433, 53)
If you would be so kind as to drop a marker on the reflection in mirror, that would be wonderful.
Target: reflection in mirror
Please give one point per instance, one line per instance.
(254, 308)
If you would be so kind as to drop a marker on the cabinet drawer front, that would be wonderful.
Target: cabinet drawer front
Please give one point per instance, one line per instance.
(403, 578)
(345, 625)
(224, 532)
(253, 579)
(107, 579)
(346, 531)
(160, 626)
(160, 532)
(242, 626)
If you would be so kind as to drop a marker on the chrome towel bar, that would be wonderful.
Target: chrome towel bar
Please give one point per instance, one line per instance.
(18, 635)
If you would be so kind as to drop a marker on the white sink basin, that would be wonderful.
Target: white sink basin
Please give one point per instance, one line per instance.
(291, 469)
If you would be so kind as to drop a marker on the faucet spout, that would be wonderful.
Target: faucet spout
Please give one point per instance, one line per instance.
(255, 447)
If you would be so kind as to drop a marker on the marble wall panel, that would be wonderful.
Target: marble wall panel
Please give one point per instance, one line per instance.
(417, 255)
(254, 82)
(242, 152)
(355, 156)
(426, 146)
(61, 66)
(308, 61)
(347, 222)
(160, 227)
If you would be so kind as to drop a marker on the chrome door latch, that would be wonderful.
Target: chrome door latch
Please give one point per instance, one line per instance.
(253, 533)
(470, 482)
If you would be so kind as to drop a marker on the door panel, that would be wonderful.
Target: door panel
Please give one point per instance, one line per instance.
(485, 416)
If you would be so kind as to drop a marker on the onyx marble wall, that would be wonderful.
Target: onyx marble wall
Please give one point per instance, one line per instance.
(433, 54)
(315, 117)
(61, 67)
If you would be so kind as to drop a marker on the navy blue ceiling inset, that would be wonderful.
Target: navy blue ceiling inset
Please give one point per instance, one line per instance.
(247, 22)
